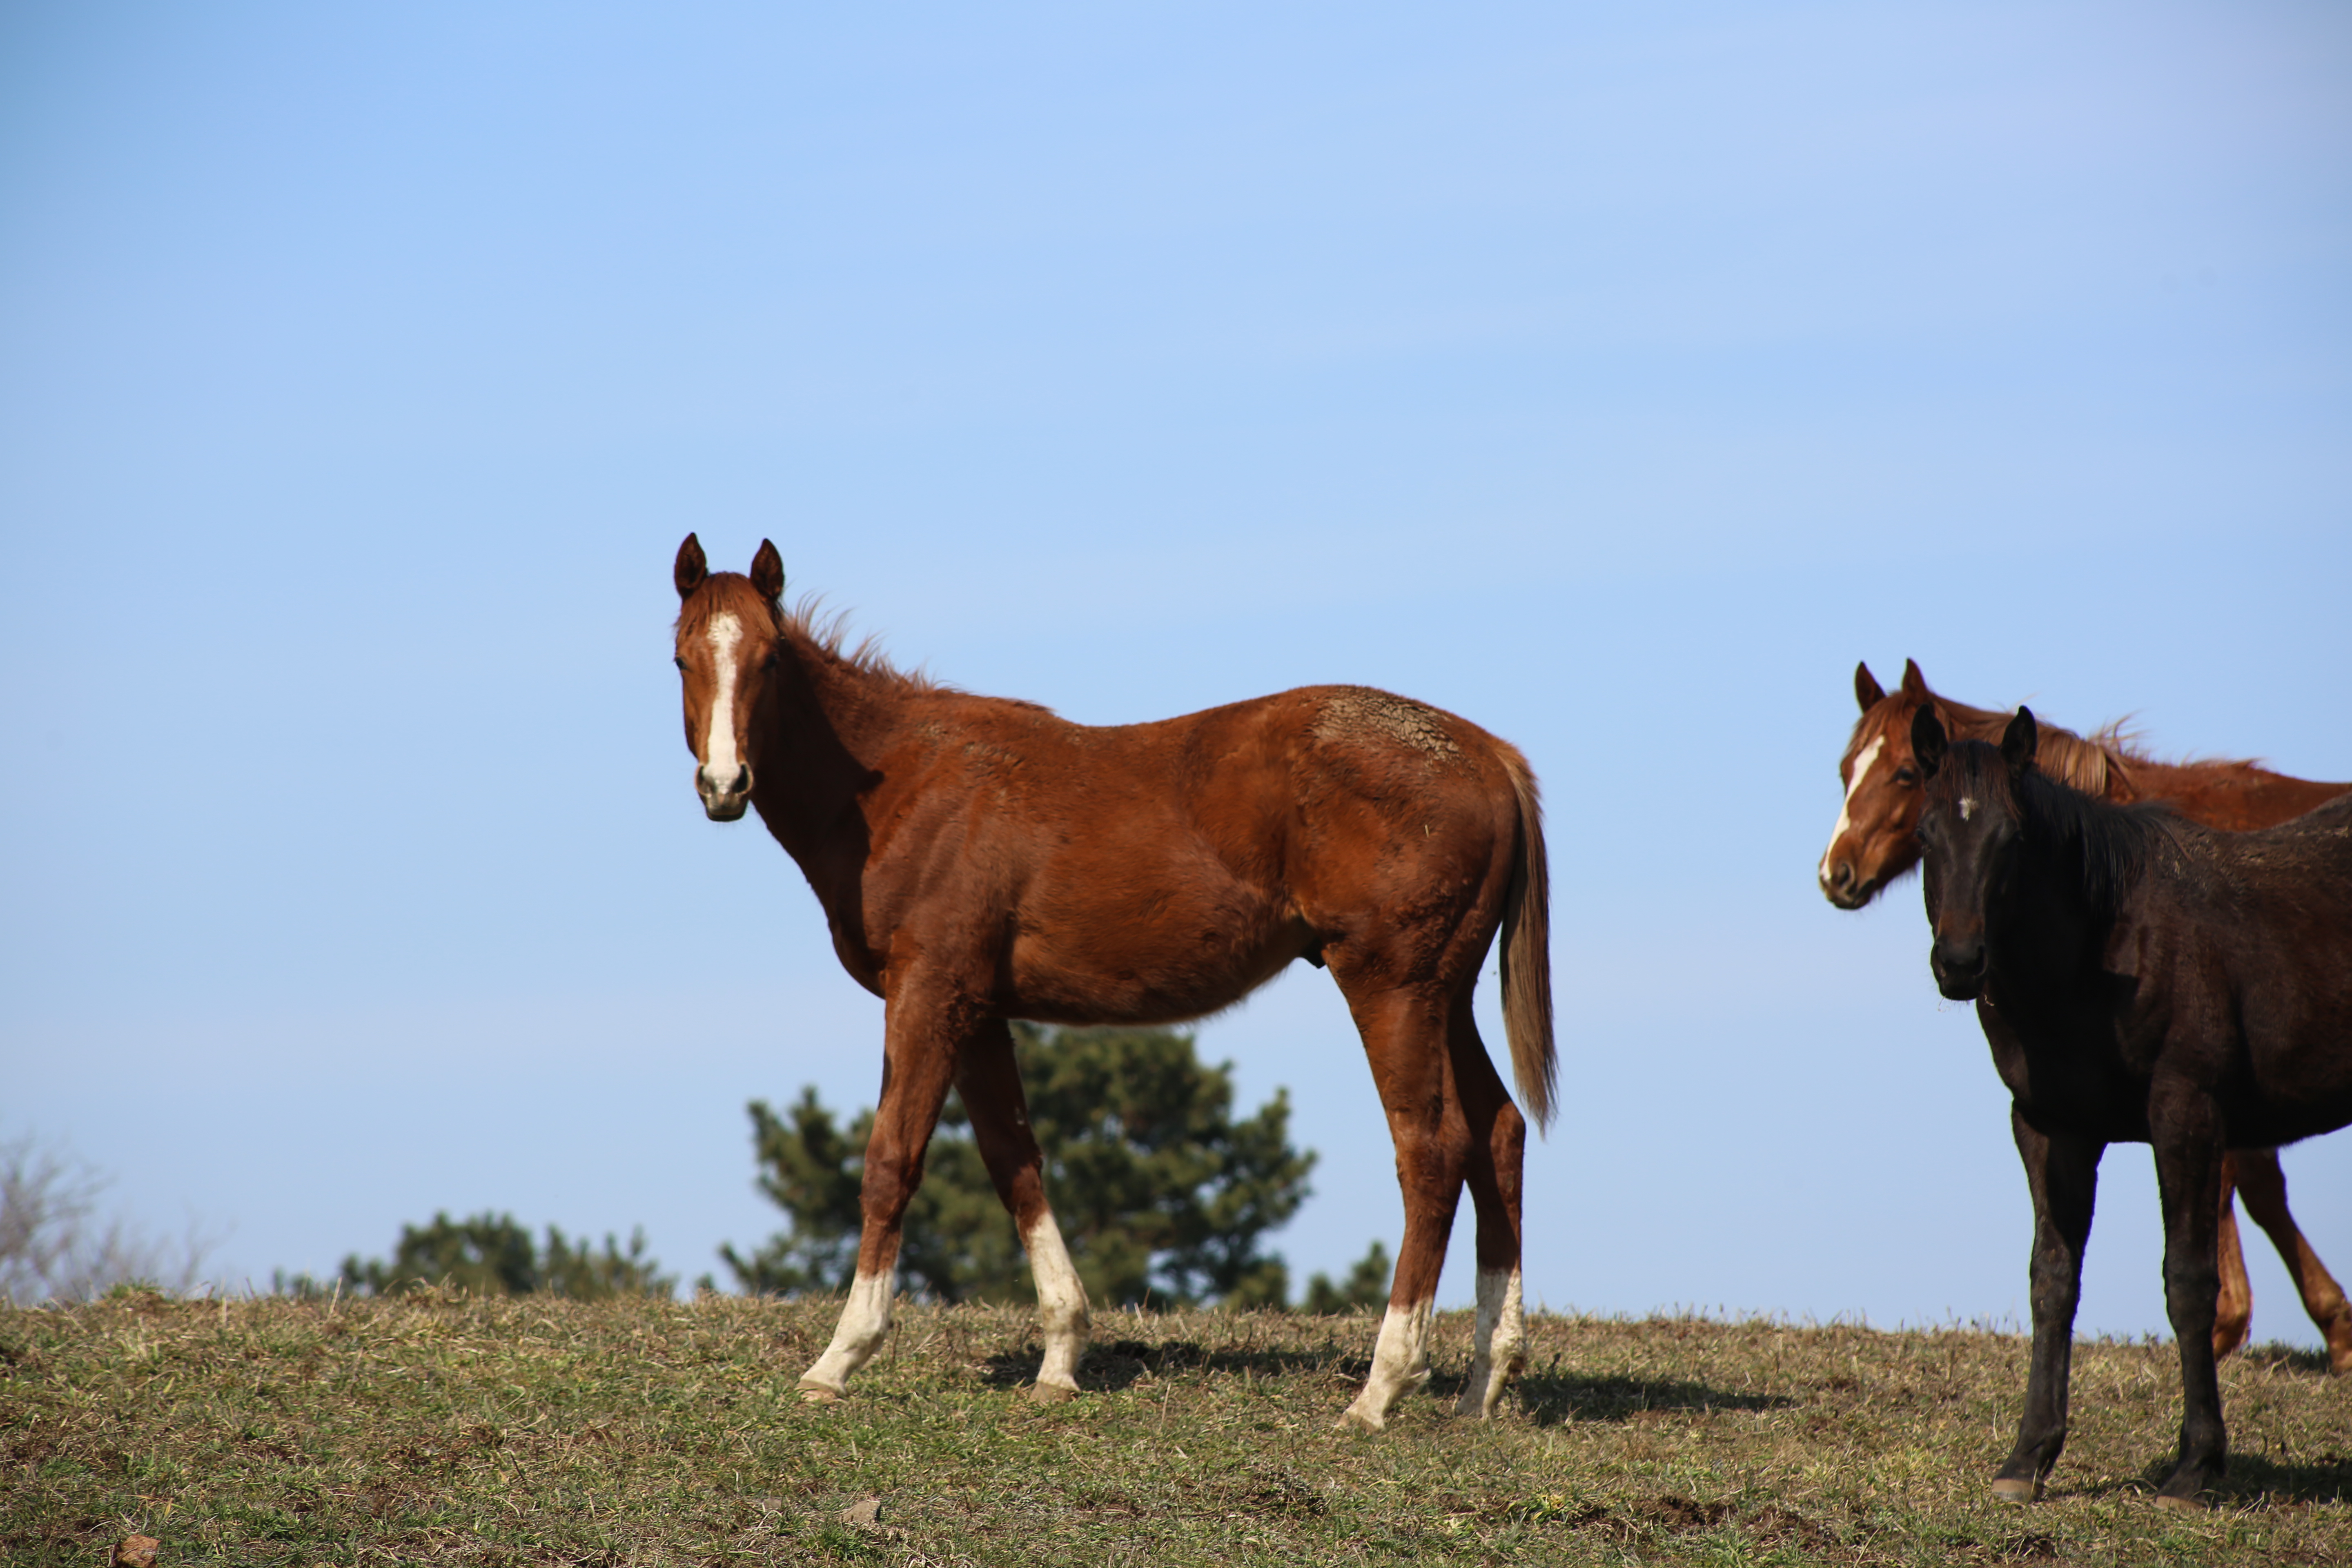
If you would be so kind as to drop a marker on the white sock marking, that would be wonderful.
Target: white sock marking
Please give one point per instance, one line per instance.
(1061, 1303)
(1862, 764)
(1500, 1348)
(865, 1320)
(1399, 1361)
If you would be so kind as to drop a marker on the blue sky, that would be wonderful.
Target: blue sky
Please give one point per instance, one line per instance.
(1615, 377)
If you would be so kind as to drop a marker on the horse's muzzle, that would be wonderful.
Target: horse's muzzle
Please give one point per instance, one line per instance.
(1958, 968)
(1840, 887)
(723, 800)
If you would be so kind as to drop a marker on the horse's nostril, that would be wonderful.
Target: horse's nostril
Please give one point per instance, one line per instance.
(1960, 959)
(1842, 876)
(742, 784)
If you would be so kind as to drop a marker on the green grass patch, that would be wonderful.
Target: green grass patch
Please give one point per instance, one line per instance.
(437, 1428)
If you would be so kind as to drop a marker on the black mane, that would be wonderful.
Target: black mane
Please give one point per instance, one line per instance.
(2106, 844)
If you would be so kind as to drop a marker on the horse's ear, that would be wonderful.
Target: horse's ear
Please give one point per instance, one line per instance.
(1867, 689)
(2020, 742)
(1928, 742)
(1915, 685)
(691, 568)
(768, 573)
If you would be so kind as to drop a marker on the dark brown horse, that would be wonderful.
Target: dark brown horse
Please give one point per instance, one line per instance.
(2141, 978)
(980, 860)
(1876, 841)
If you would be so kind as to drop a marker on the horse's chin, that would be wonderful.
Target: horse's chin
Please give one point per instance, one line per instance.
(1856, 895)
(1850, 897)
(1959, 987)
(725, 808)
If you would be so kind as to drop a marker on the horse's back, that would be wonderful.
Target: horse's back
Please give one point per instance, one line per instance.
(1289, 760)
(2237, 797)
(1160, 871)
(2278, 921)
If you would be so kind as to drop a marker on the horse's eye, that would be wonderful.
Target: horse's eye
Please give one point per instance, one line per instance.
(679, 662)
(1907, 776)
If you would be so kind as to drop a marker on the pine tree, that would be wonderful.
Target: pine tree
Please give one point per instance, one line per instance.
(490, 1254)
(1367, 1285)
(1161, 1196)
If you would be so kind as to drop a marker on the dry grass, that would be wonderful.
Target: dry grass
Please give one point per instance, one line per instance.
(527, 1431)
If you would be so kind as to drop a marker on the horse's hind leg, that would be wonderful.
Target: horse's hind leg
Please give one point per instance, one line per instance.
(2264, 1188)
(918, 1056)
(1405, 1036)
(2234, 1305)
(991, 1082)
(1498, 1144)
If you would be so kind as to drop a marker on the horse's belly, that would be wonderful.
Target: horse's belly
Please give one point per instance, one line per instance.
(1145, 970)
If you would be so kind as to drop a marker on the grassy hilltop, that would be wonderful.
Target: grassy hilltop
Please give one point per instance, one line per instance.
(528, 1431)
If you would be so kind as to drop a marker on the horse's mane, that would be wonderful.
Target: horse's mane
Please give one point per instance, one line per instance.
(2093, 765)
(826, 632)
(808, 625)
(2107, 842)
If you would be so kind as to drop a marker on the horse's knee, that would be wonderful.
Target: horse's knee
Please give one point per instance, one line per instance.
(1431, 1158)
(1508, 1142)
(2192, 1292)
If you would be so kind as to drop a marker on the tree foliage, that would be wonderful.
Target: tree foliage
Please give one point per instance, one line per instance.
(1367, 1285)
(1160, 1194)
(490, 1255)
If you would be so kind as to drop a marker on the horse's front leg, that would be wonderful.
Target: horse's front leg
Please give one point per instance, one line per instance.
(922, 1035)
(2187, 1131)
(991, 1083)
(2264, 1188)
(2063, 1173)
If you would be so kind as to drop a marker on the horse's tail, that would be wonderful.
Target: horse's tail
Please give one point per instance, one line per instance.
(1526, 951)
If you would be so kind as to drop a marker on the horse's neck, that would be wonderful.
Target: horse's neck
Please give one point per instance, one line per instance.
(832, 725)
(2045, 922)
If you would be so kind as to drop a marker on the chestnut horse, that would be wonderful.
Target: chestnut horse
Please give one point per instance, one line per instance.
(1876, 841)
(2140, 978)
(980, 860)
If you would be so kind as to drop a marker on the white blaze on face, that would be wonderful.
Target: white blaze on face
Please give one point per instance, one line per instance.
(1861, 766)
(720, 761)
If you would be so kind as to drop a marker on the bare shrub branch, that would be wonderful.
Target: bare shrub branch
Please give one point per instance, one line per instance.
(55, 1244)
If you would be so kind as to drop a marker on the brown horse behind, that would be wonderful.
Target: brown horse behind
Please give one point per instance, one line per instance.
(980, 860)
(1876, 840)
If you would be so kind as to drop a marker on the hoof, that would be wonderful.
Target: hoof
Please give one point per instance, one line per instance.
(1052, 1392)
(818, 1394)
(2010, 1491)
(1355, 1420)
(2180, 1504)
